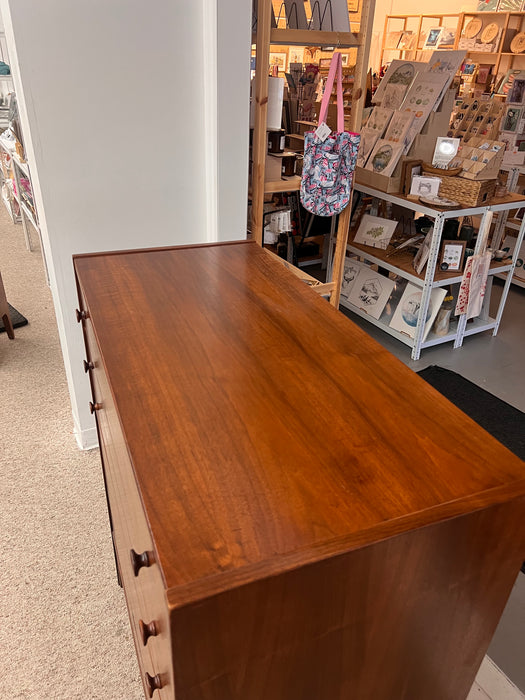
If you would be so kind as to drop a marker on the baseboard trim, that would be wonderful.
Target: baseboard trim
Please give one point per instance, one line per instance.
(495, 683)
(86, 439)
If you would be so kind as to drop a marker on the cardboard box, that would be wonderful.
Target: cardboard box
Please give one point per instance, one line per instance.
(391, 185)
(422, 149)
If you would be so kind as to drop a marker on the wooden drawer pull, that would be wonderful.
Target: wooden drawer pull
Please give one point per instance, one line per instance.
(94, 407)
(140, 560)
(81, 315)
(88, 366)
(147, 630)
(153, 683)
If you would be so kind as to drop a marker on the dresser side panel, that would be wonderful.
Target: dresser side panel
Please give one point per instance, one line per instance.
(408, 618)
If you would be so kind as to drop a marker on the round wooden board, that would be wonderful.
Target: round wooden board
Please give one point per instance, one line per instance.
(517, 45)
(489, 33)
(473, 28)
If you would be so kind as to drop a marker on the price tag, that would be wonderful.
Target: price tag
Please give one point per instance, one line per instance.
(323, 131)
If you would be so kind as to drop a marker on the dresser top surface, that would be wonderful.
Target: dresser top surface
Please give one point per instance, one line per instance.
(267, 430)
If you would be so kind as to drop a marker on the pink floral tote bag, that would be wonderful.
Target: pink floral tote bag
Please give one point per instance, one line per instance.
(328, 166)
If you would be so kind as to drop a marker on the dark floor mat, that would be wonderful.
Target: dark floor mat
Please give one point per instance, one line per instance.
(16, 319)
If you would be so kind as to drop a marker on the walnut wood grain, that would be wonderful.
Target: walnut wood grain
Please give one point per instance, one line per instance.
(293, 428)
(405, 619)
(320, 520)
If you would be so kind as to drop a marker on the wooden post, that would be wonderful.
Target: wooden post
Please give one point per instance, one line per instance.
(361, 68)
(260, 139)
(340, 251)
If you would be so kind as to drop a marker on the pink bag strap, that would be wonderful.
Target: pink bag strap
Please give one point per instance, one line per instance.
(336, 67)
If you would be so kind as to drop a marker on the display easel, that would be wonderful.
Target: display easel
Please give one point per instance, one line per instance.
(267, 35)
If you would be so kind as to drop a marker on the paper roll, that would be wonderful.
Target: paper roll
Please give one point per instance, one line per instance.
(275, 104)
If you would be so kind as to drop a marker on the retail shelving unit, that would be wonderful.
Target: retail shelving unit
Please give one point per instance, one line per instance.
(9, 185)
(20, 205)
(417, 24)
(509, 24)
(401, 264)
(505, 222)
(266, 36)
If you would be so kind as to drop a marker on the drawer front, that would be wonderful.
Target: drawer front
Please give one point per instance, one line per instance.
(141, 575)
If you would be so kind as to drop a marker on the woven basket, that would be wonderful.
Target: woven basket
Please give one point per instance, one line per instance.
(431, 170)
(469, 193)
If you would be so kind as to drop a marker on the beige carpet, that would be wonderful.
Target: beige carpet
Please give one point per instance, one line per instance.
(64, 631)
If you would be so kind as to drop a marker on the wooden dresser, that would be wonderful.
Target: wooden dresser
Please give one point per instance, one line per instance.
(296, 515)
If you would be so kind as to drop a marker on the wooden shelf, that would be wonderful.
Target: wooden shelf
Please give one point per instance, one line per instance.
(289, 184)
(401, 262)
(515, 280)
(314, 37)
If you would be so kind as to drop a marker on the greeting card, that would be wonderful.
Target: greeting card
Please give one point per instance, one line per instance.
(375, 231)
(378, 119)
(371, 291)
(384, 157)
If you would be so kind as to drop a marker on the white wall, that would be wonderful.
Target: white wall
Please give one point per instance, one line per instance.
(114, 98)
(234, 24)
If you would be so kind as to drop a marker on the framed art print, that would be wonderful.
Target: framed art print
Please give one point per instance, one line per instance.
(516, 93)
(279, 60)
(375, 231)
(433, 38)
(511, 119)
(411, 168)
(407, 312)
(371, 291)
(452, 253)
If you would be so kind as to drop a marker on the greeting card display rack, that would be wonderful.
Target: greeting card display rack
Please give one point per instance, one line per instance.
(401, 264)
(495, 47)
(267, 35)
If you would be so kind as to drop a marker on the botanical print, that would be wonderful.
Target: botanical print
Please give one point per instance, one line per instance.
(384, 157)
(408, 310)
(402, 75)
(423, 95)
(371, 292)
(378, 119)
(393, 96)
(375, 231)
(399, 126)
(398, 73)
(369, 139)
